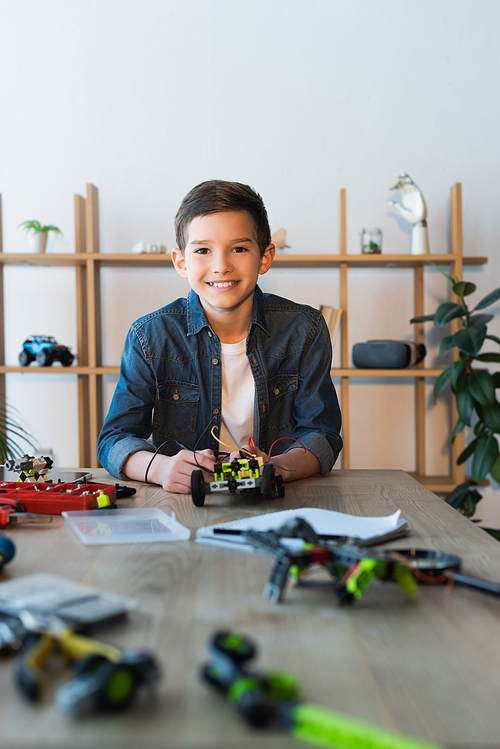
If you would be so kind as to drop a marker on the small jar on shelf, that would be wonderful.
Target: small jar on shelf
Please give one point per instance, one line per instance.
(371, 241)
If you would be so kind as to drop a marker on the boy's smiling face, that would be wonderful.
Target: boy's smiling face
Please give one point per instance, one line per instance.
(222, 262)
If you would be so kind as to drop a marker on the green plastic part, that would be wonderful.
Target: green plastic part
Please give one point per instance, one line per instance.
(282, 686)
(235, 642)
(327, 728)
(120, 686)
(243, 685)
(406, 580)
(366, 570)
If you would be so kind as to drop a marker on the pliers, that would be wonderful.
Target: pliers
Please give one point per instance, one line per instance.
(12, 512)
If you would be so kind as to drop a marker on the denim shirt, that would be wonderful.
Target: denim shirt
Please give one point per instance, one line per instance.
(170, 383)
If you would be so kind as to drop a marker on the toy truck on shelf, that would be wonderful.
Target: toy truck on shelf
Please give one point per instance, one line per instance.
(45, 350)
(247, 475)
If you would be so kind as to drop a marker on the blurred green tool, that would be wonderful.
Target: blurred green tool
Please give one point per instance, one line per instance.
(264, 699)
(106, 678)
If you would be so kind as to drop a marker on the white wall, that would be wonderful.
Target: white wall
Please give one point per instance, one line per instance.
(298, 99)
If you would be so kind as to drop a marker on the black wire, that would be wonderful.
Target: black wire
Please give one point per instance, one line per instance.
(184, 448)
(196, 445)
(156, 453)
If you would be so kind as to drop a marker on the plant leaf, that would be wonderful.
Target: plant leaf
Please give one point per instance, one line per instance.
(493, 338)
(465, 406)
(422, 318)
(450, 279)
(464, 288)
(457, 370)
(482, 387)
(467, 452)
(495, 470)
(489, 299)
(493, 532)
(442, 381)
(490, 416)
(458, 428)
(478, 428)
(480, 319)
(447, 311)
(455, 497)
(470, 502)
(446, 344)
(488, 357)
(496, 379)
(50, 227)
(470, 340)
(485, 455)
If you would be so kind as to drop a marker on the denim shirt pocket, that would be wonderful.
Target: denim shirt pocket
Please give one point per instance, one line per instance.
(176, 408)
(282, 391)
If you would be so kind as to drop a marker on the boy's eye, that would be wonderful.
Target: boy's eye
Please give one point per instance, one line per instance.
(241, 249)
(201, 251)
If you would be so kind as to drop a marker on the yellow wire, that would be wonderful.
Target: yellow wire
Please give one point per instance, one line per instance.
(229, 446)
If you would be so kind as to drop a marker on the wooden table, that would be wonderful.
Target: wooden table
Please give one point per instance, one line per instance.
(428, 668)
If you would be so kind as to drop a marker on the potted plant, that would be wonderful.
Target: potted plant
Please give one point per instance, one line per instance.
(10, 431)
(475, 388)
(39, 233)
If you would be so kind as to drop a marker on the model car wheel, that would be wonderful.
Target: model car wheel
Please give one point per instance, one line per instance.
(66, 359)
(25, 358)
(198, 488)
(43, 359)
(280, 485)
(268, 481)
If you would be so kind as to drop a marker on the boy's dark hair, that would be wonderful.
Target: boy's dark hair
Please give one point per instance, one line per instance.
(216, 196)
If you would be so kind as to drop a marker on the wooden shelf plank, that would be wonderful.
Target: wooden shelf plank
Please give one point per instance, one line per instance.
(54, 258)
(440, 484)
(353, 372)
(284, 261)
(55, 370)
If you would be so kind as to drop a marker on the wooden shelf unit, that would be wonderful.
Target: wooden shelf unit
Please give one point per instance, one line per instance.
(88, 260)
(455, 260)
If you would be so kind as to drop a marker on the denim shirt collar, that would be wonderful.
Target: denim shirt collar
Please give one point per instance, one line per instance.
(197, 319)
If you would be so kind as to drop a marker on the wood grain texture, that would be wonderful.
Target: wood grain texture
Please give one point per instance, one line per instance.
(428, 667)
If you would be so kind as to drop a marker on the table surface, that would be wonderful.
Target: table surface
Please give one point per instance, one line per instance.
(428, 667)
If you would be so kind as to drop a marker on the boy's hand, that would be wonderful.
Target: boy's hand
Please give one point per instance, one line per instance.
(246, 450)
(172, 473)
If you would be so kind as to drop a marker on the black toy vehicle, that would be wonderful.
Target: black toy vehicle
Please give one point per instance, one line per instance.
(247, 475)
(44, 349)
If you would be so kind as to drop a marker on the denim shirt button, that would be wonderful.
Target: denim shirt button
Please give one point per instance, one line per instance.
(215, 361)
(209, 333)
(276, 391)
(215, 411)
(175, 396)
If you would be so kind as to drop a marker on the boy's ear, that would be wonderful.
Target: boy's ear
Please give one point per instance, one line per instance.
(267, 259)
(179, 262)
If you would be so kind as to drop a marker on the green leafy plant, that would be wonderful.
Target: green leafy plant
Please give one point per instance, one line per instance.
(474, 387)
(10, 431)
(37, 227)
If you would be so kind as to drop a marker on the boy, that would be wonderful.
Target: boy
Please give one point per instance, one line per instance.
(252, 365)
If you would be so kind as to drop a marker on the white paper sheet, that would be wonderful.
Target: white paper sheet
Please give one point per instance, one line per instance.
(324, 522)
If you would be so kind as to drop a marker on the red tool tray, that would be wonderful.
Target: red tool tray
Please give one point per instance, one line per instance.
(53, 499)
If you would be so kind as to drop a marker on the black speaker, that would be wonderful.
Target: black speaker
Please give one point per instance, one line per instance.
(387, 354)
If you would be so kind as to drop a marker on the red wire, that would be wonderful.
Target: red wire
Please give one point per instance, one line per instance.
(251, 443)
(292, 439)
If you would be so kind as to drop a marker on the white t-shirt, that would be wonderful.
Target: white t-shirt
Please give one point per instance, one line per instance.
(238, 395)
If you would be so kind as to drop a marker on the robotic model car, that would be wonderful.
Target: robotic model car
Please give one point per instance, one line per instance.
(247, 475)
(45, 349)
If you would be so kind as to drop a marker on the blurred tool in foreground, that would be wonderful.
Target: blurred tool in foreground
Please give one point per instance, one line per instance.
(271, 698)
